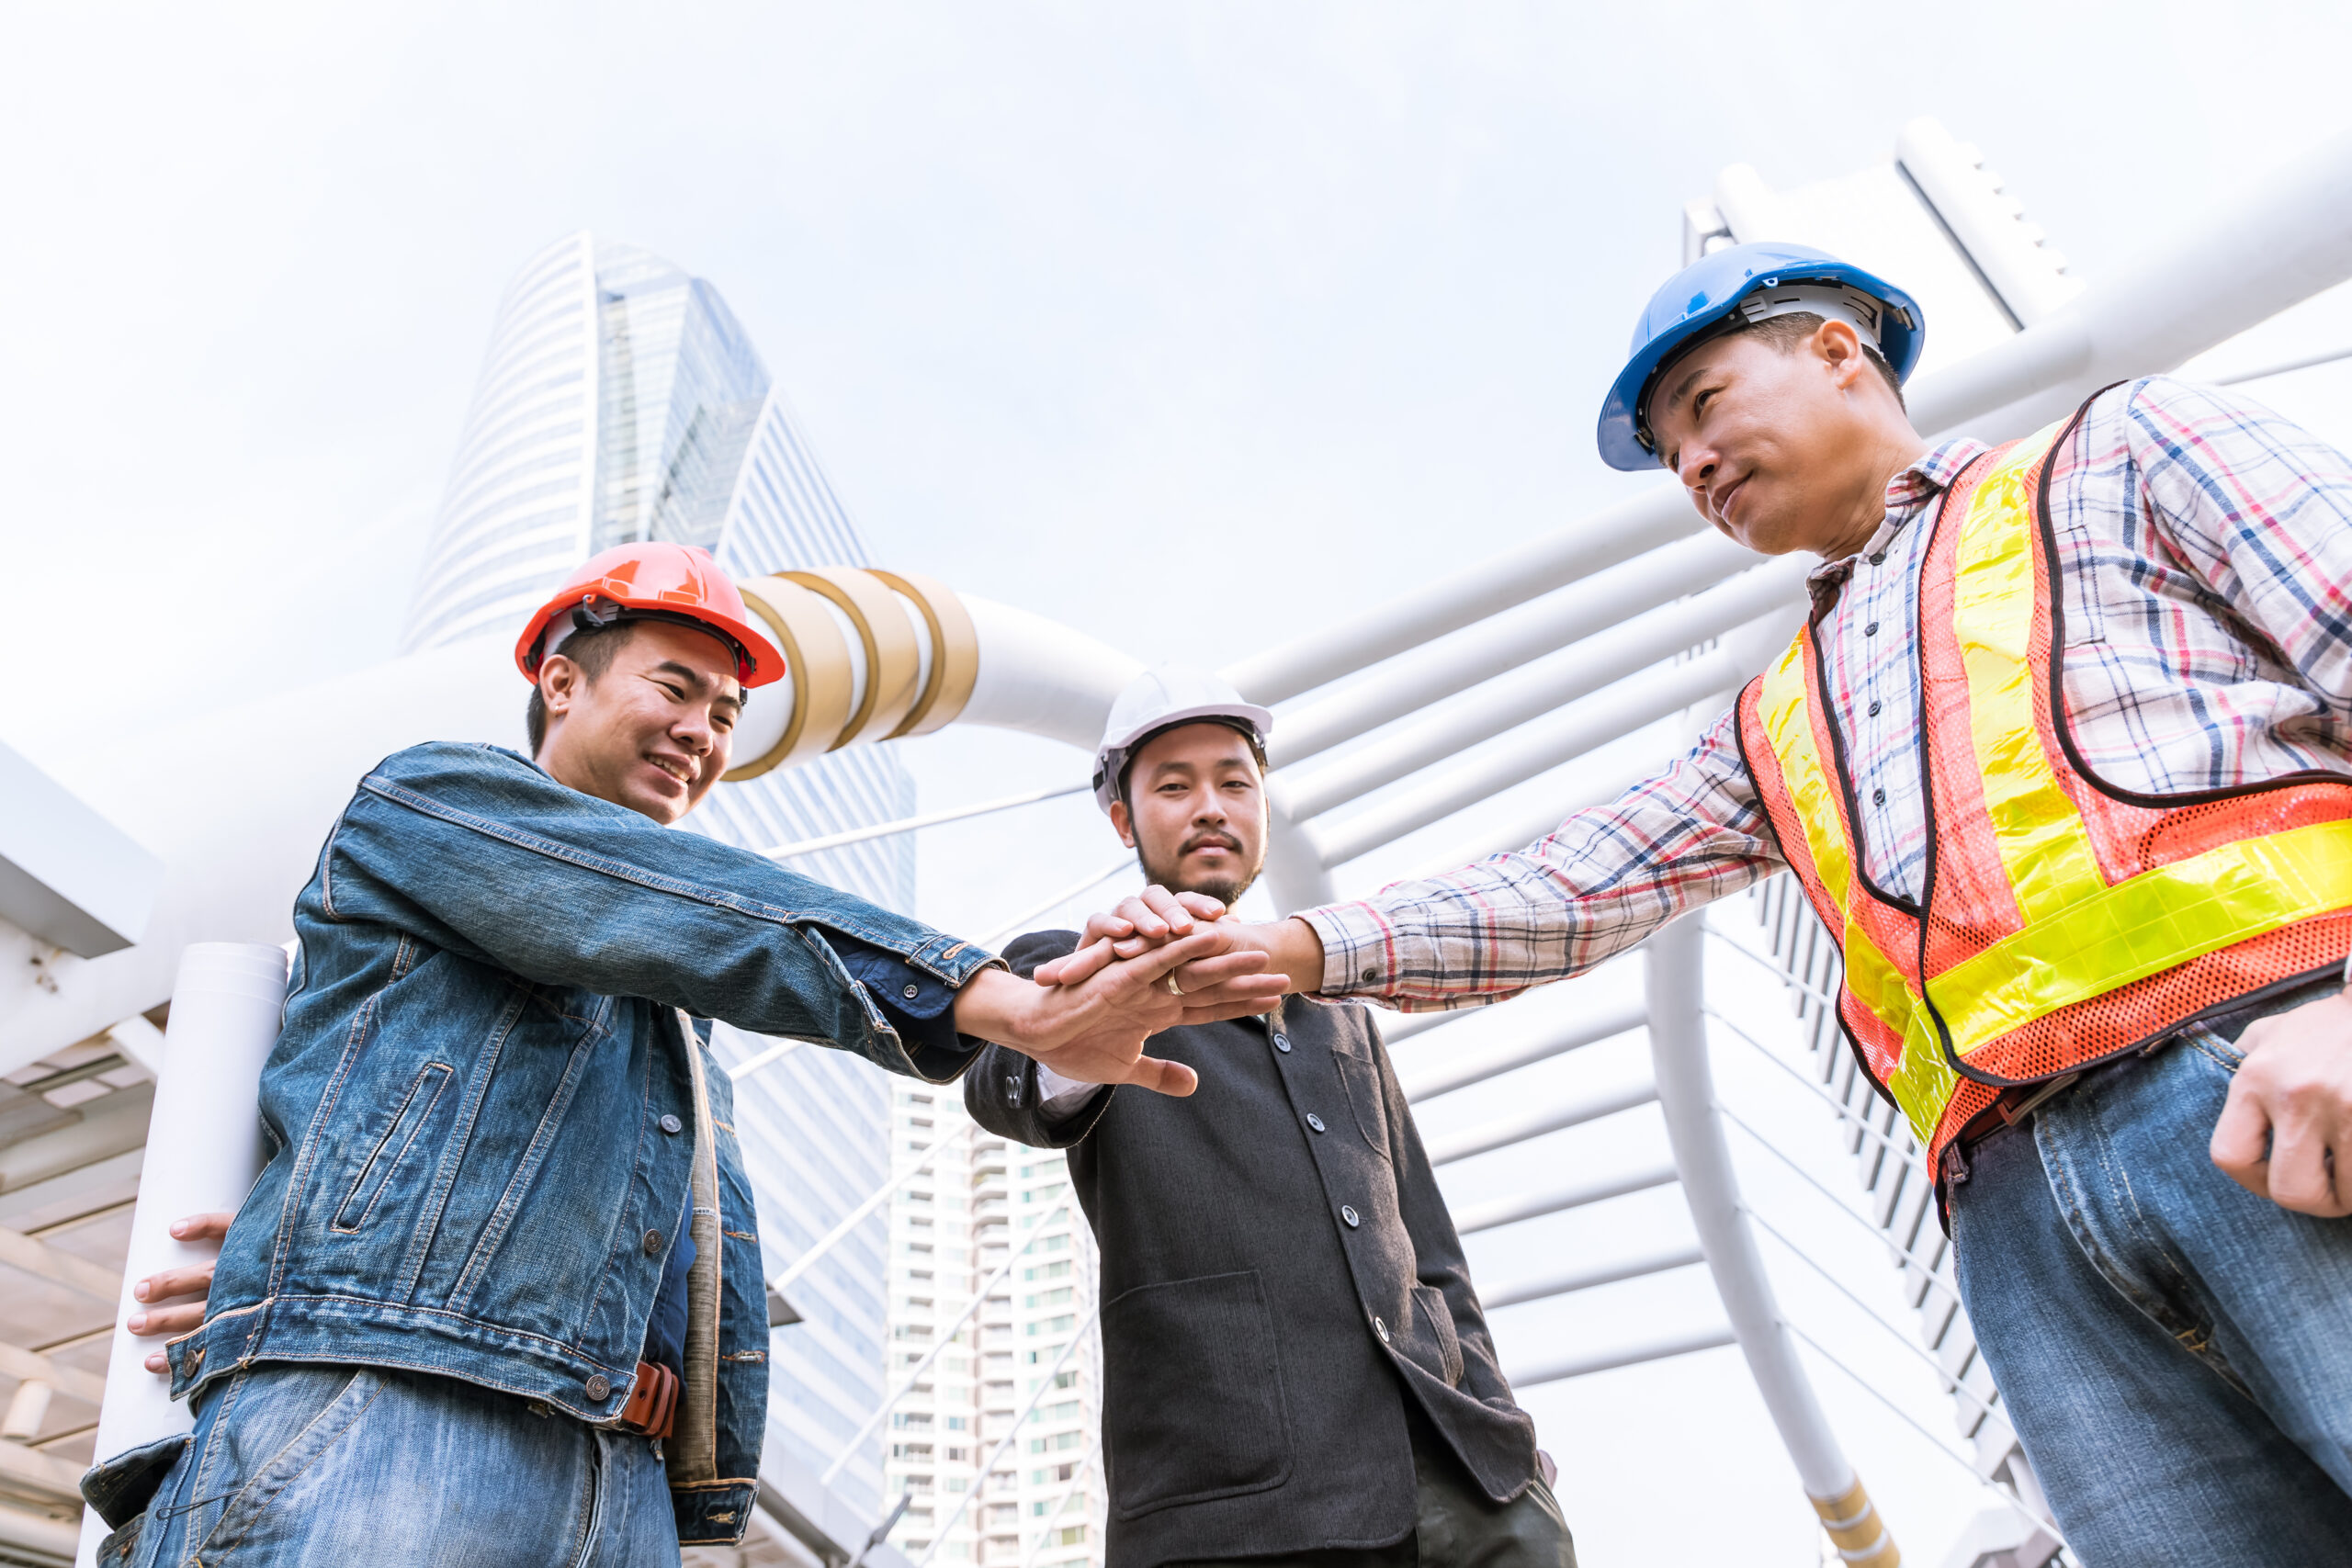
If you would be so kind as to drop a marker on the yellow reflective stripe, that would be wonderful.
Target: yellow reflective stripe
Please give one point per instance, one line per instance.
(1785, 720)
(2045, 845)
(2144, 926)
(1922, 1084)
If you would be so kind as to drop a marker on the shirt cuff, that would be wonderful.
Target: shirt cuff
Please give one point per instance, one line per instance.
(1358, 949)
(921, 1006)
(1059, 1099)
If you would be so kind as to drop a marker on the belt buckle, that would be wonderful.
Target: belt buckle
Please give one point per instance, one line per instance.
(652, 1406)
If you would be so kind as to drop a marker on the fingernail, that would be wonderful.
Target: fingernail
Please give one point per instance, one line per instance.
(138, 1291)
(179, 1227)
(138, 1322)
(157, 1364)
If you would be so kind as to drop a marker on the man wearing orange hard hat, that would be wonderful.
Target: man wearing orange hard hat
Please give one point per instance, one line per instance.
(504, 1257)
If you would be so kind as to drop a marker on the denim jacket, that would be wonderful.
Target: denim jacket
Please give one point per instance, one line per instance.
(489, 1101)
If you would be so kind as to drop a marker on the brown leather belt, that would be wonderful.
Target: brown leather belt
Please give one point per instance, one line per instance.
(652, 1404)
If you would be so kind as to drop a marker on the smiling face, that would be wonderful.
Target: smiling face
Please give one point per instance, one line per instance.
(654, 732)
(1195, 811)
(1784, 449)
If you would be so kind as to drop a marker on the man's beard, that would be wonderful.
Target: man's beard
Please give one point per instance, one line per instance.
(1225, 886)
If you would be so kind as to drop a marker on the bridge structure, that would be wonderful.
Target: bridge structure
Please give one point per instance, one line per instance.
(1578, 661)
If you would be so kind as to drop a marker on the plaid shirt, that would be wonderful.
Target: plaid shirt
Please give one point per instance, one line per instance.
(2206, 558)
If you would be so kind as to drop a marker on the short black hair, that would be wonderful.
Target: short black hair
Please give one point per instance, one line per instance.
(1134, 749)
(1784, 333)
(591, 648)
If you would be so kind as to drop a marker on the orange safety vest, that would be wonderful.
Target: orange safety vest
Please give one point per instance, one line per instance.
(2066, 921)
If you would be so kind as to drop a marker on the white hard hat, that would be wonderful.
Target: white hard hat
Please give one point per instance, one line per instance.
(1160, 699)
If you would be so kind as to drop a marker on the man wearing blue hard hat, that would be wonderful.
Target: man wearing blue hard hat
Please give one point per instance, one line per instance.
(2062, 759)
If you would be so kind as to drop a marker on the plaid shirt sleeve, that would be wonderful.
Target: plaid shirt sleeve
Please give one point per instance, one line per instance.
(1605, 880)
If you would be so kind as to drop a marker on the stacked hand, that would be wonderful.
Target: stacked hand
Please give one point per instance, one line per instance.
(1089, 1021)
(1154, 918)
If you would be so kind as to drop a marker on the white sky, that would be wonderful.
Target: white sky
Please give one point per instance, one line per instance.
(1194, 327)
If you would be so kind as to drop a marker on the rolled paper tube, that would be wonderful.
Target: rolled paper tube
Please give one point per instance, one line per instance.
(205, 1148)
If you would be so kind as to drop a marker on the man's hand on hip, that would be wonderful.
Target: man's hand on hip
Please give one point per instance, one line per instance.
(2286, 1131)
(153, 1320)
(1091, 1026)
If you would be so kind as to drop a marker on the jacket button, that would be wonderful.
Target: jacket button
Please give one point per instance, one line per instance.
(652, 1243)
(1282, 1043)
(910, 991)
(1380, 1328)
(597, 1386)
(672, 1125)
(1313, 1121)
(1348, 1214)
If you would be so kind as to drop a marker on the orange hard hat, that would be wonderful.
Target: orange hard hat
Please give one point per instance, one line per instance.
(655, 581)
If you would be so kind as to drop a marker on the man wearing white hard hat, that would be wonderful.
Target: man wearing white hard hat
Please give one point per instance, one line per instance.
(1295, 1361)
(2061, 758)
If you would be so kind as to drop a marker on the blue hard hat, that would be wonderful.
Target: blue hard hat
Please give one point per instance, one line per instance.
(1696, 301)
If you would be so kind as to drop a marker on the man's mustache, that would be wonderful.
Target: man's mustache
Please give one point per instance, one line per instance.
(1223, 840)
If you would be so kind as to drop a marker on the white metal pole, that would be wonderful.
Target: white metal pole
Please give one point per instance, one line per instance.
(1686, 1092)
(204, 1149)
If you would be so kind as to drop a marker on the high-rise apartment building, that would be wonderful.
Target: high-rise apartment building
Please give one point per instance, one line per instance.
(620, 400)
(992, 1281)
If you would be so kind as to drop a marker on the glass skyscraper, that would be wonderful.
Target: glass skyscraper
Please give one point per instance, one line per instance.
(621, 400)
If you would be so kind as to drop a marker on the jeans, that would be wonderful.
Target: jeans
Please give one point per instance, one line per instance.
(2176, 1353)
(344, 1467)
(1454, 1524)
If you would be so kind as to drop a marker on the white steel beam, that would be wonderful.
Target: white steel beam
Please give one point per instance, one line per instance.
(1463, 1071)
(1506, 641)
(1581, 727)
(1570, 1281)
(1547, 684)
(1686, 1092)
(1487, 1136)
(1474, 1217)
(1591, 1361)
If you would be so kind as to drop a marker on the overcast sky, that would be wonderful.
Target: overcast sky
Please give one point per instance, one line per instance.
(1194, 326)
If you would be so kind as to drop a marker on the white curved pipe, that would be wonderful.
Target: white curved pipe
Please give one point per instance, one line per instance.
(1686, 1094)
(1039, 676)
(205, 1148)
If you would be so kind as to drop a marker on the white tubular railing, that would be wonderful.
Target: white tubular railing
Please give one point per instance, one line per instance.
(946, 1337)
(1687, 1094)
(1507, 641)
(1592, 1361)
(1586, 1278)
(1462, 1072)
(1544, 685)
(1489, 1136)
(1472, 1218)
(882, 1195)
(1576, 729)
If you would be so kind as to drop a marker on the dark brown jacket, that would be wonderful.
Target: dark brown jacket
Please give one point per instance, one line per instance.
(1279, 1272)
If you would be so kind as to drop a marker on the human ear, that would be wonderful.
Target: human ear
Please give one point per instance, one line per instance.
(1840, 348)
(559, 681)
(1122, 824)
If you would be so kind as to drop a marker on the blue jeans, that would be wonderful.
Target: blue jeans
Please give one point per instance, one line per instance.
(2176, 1353)
(344, 1467)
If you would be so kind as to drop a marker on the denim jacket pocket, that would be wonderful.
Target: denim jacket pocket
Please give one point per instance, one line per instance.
(392, 1147)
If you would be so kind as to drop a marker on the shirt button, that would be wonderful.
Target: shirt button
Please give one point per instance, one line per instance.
(672, 1125)
(1874, 707)
(1313, 1121)
(597, 1386)
(1380, 1327)
(1870, 630)
(910, 991)
(1282, 1043)
(1371, 975)
(1878, 797)
(652, 1243)
(1878, 557)
(1348, 1214)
